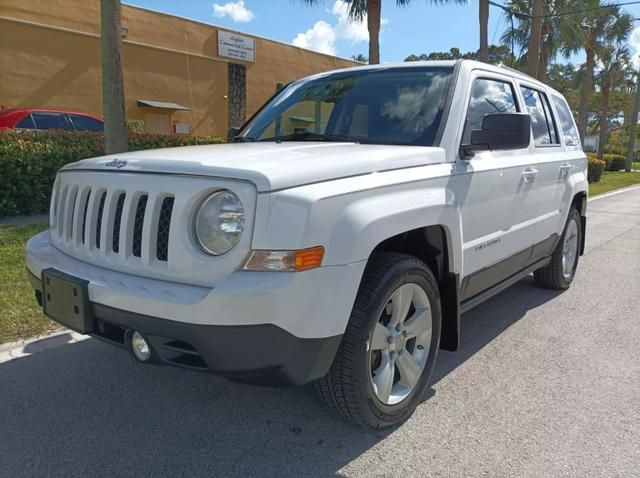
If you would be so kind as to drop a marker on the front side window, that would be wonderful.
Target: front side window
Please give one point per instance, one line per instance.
(569, 130)
(488, 96)
(401, 106)
(50, 120)
(542, 125)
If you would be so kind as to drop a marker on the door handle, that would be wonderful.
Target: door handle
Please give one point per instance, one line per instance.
(564, 170)
(529, 174)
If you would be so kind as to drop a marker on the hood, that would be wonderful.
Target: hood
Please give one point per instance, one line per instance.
(270, 166)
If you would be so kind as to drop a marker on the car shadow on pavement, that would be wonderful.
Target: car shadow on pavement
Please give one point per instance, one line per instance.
(88, 409)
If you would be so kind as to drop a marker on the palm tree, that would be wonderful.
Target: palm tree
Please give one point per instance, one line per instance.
(360, 58)
(372, 9)
(535, 35)
(615, 62)
(599, 27)
(483, 16)
(115, 126)
(555, 32)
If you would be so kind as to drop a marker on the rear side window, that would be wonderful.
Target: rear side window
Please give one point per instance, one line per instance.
(569, 130)
(542, 123)
(26, 123)
(47, 120)
(488, 96)
(84, 123)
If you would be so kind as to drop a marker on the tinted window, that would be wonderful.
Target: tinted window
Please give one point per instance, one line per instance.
(46, 120)
(541, 122)
(26, 123)
(84, 123)
(569, 130)
(488, 96)
(387, 106)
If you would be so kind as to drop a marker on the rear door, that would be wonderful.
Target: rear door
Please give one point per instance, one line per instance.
(554, 165)
(498, 192)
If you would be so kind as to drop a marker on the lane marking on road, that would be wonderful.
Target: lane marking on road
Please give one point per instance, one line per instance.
(16, 350)
(613, 193)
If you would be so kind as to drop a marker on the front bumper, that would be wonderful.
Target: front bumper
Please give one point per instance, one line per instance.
(258, 327)
(261, 354)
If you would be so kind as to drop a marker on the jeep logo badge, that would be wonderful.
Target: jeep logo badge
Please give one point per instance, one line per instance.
(116, 163)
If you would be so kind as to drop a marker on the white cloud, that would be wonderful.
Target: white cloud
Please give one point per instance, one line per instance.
(323, 36)
(354, 32)
(634, 41)
(234, 10)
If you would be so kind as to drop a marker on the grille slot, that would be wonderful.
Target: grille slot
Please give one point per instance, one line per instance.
(84, 215)
(60, 217)
(164, 226)
(99, 221)
(116, 223)
(137, 225)
(73, 197)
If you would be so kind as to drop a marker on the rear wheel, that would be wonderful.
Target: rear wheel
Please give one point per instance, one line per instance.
(389, 348)
(559, 273)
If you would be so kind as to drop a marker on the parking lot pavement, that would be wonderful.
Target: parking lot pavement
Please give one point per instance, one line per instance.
(546, 384)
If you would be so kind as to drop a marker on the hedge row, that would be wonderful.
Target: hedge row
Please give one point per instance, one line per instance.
(29, 161)
(615, 162)
(596, 167)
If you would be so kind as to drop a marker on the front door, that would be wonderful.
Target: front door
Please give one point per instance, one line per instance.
(498, 192)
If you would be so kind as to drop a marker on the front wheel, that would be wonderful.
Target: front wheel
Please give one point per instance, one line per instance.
(388, 351)
(559, 273)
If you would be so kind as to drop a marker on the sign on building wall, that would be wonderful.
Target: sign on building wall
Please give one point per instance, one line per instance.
(238, 47)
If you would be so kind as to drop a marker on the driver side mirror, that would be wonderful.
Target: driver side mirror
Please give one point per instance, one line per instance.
(500, 131)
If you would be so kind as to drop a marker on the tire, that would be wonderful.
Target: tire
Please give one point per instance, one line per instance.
(556, 275)
(348, 388)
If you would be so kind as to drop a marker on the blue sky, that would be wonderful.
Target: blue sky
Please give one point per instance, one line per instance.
(417, 28)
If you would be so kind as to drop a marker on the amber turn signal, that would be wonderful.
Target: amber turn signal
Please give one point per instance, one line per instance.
(288, 261)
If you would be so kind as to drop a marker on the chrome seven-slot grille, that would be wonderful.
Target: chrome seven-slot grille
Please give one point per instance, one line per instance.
(116, 223)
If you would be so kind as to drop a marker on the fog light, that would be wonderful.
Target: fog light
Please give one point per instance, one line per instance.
(140, 347)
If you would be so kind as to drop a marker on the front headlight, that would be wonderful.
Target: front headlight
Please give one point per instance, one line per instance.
(219, 222)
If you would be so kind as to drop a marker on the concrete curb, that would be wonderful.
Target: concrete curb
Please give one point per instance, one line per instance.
(15, 350)
(614, 192)
(24, 220)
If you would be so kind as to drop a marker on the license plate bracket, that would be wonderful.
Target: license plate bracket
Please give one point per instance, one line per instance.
(66, 300)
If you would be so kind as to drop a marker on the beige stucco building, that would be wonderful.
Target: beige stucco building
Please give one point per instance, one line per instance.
(50, 57)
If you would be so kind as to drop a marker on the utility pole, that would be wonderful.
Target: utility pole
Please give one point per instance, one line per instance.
(484, 37)
(115, 126)
(633, 127)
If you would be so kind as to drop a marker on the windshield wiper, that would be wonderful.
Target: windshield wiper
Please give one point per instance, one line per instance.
(311, 136)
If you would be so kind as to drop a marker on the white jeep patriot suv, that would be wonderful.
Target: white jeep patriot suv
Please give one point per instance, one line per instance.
(336, 240)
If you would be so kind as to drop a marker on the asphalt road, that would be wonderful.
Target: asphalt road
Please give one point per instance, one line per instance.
(546, 384)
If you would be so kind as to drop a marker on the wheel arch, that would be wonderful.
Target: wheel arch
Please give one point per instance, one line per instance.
(580, 203)
(433, 245)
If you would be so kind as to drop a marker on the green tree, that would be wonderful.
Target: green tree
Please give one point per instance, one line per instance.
(360, 58)
(614, 60)
(557, 32)
(496, 54)
(599, 27)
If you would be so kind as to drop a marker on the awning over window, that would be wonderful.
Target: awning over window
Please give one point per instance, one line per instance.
(163, 105)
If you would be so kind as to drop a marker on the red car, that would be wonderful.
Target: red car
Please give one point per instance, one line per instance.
(37, 118)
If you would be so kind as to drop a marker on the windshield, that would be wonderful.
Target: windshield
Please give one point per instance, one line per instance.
(401, 106)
